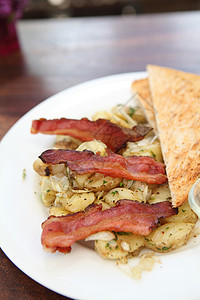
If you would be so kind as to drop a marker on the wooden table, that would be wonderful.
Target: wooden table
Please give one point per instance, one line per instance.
(57, 54)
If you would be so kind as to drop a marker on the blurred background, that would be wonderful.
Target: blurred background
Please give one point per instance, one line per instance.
(83, 8)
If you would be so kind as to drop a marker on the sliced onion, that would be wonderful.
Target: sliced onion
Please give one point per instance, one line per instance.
(125, 246)
(103, 236)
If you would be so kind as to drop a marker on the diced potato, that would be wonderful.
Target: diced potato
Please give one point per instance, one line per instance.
(58, 169)
(169, 236)
(123, 244)
(160, 193)
(104, 204)
(58, 211)
(76, 202)
(110, 250)
(50, 186)
(59, 183)
(48, 195)
(99, 182)
(100, 194)
(62, 198)
(122, 193)
(129, 241)
(185, 214)
(78, 181)
(46, 170)
(40, 168)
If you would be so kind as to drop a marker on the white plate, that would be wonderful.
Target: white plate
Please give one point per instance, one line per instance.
(82, 274)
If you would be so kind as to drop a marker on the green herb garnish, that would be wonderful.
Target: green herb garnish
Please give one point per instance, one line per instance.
(114, 193)
(166, 248)
(124, 233)
(24, 174)
(131, 111)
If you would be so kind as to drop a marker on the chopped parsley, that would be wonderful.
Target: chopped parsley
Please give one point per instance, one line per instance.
(152, 244)
(108, 246)
(115, 192)
(131, 111)
(147, 239)
(24, 174)
(124, 233)
(166, 248)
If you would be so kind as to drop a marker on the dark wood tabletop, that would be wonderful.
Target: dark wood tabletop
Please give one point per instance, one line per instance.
(56, 54)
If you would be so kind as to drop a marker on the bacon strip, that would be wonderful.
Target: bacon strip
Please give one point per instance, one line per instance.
(139, 168)
(59, 233)
(113, 135)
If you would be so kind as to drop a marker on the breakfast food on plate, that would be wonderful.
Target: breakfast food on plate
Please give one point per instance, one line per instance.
(141, 168)
(114, 136)
(128, 216)
(104, 180)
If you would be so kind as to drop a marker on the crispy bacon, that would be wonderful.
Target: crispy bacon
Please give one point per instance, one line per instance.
(59, 233)
(139, 168)
(113, 135)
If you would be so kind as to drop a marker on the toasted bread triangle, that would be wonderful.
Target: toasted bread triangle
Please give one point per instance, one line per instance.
(176, 101)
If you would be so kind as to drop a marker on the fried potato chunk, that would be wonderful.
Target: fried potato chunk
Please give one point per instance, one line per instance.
(169, 236)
